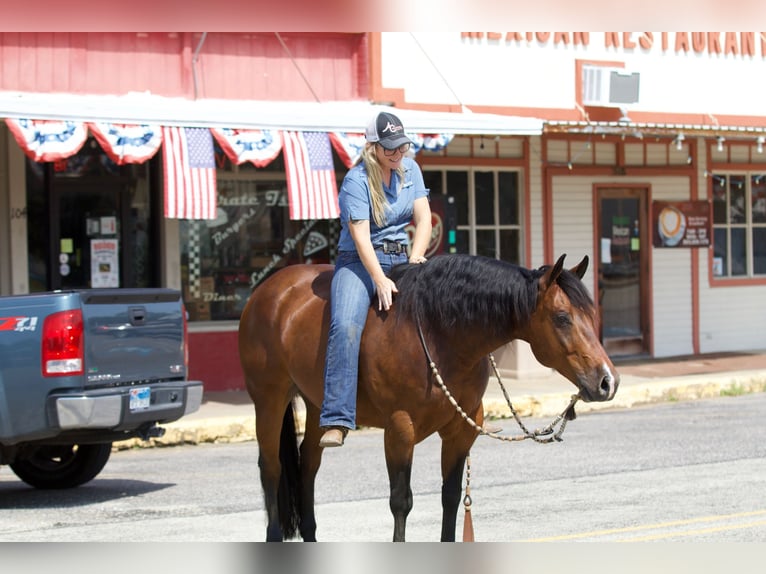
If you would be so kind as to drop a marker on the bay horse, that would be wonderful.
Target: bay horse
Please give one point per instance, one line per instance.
(464, 307)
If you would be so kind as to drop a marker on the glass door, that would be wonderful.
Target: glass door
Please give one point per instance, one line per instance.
(622, 276)
(86, 243)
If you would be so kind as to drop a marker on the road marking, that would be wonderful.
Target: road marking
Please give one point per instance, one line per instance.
(694, 532)
(659, 525)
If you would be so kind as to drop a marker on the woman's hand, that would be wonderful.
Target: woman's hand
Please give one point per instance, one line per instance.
(418, 259)
(385, 289)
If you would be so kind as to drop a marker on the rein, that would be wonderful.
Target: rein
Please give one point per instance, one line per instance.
(544, 435)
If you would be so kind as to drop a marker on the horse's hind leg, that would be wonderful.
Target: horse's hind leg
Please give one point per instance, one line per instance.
(399, 440)
(270, 417)
(311, 458)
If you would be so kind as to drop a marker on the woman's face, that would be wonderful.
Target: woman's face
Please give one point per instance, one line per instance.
(390, 159)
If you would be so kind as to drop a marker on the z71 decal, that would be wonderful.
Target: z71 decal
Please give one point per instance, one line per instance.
(18, 323)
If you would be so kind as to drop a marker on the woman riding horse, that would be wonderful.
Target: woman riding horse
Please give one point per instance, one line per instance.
(465, 308)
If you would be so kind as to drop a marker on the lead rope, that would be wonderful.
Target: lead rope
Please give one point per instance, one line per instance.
(467, 521)
(548, 432)
(543, 436)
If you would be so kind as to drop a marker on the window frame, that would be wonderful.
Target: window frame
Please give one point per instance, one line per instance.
(749, 277)
(472, 227)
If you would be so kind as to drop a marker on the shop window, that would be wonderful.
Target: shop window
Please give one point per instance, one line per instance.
(739, 225)
(488, 210)
(222, 260)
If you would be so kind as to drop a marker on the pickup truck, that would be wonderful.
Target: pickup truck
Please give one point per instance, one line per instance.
(82, 369)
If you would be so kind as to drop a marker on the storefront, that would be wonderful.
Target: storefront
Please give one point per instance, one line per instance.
(90, 211)
(664, 189)
(651, 163)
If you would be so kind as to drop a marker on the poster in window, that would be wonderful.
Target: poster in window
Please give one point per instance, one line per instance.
(681, 223)
(104, 263)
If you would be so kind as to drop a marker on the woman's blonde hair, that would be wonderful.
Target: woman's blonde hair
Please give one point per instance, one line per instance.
(378, 200)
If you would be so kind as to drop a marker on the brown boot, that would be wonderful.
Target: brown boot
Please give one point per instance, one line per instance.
(333, 436)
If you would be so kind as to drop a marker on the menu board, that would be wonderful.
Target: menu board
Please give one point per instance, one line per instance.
(681, 223)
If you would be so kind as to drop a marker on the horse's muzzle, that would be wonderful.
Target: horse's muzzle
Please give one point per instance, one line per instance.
(606, 383)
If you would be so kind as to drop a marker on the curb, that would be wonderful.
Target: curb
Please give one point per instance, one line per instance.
(211, 430)
(233, 429)
(685, 388)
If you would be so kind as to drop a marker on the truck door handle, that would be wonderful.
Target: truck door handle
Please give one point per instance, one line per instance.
(137, 316)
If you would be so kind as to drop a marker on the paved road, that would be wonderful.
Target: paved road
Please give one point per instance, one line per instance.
(685, 471)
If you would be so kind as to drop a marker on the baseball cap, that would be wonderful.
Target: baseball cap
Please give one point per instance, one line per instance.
(387, 130)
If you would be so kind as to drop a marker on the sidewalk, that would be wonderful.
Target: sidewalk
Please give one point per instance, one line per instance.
(229, 416)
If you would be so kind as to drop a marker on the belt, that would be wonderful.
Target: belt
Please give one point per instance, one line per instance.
(391, 247)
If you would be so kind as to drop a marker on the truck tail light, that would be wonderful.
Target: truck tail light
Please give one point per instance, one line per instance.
(63, 349)
(186, 338)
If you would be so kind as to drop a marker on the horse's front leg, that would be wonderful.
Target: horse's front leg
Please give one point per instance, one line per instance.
(399, 441)
(457, 440)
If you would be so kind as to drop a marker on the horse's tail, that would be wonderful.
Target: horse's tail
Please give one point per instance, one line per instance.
(289, 495)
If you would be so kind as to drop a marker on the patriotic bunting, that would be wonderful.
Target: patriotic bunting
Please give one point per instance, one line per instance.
(349, 146)
(189, 162)
(125, 143)
(190, 177)
(48, 140)
(260, 147)
(311, 186)
(429, 142)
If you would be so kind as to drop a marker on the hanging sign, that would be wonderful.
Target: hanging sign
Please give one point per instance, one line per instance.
(681, 223)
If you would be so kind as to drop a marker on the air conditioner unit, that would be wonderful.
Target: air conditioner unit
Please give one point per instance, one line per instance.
(609, 87)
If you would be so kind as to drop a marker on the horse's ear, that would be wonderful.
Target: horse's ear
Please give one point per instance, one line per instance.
(550, 276)
(581, 268)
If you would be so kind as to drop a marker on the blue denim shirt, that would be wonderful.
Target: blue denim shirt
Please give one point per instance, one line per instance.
(354, 200)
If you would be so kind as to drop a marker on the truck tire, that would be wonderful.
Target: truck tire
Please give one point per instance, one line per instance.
(62, 466)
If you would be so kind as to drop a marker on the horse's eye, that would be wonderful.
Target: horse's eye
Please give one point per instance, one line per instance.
(562, 320)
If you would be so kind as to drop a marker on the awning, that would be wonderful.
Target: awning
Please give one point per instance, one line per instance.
(640, 129)
(339, 116)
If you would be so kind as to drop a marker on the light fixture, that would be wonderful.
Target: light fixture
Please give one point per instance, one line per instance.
(680, 142)
(719, 145)
(759, 144)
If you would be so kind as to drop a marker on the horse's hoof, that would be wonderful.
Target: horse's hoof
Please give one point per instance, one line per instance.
(333, 437)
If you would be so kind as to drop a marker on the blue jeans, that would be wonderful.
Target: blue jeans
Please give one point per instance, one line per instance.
(350, 297)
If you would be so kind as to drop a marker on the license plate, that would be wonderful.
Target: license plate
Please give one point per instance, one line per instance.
(140, 398)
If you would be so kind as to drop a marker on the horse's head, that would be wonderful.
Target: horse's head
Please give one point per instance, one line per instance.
(564, 333)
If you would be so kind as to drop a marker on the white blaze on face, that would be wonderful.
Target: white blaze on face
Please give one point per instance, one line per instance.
(609, 378)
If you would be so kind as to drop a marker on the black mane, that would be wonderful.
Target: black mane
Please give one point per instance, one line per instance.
(456, 291)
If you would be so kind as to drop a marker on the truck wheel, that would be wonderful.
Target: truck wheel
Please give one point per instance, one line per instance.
(62, 466)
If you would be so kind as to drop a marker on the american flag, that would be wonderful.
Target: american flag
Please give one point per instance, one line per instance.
(190, 183)
(311, 187)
